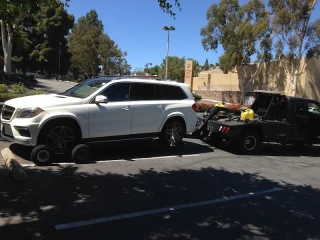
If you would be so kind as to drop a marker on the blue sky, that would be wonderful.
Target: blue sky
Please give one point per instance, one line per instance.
(136, 26)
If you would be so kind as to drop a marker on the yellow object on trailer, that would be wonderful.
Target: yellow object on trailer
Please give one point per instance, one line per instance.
(219, 105)
(247, 114)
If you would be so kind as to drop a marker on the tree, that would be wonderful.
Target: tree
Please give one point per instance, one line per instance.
(12, 13)
(112, 58)
(206, 65)
(49, 38)
(176, 68)
(154, 71)
(166, 6)
(238, 29)
(296, 33)
(91, 48)
(146, 68)
(138, 71)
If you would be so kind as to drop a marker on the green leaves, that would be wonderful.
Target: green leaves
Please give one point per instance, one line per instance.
(90, 48)
(237, 29)
(166, 6)
(175, 68)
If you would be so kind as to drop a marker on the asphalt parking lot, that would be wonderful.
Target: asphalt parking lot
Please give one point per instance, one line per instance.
(139, 190)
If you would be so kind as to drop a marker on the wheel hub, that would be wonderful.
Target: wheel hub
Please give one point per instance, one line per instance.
(250, 143)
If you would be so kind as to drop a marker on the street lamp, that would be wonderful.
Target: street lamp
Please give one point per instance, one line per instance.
(168, 29)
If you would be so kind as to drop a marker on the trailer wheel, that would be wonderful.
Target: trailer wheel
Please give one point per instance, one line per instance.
(41, 155)
(81, 153)
(249, 142)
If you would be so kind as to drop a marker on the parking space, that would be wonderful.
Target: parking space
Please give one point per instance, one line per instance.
(145, 191)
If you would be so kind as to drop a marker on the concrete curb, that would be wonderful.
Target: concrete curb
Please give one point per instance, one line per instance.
(14, 167)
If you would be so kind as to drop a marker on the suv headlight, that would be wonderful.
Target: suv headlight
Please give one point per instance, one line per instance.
(29, 112)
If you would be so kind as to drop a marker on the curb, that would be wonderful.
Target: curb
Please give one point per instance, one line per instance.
(14, 167)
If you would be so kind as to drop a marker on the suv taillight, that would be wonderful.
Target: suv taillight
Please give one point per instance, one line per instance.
(195, 108)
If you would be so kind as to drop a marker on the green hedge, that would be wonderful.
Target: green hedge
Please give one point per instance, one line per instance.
(10, 95)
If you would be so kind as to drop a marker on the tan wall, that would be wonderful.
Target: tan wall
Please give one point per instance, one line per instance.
(272, 76)
(312, 79)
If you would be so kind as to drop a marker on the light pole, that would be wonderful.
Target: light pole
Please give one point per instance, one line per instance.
(168, 29)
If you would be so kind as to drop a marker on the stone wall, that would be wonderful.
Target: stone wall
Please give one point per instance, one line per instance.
(223, 96)
(213, 95)
(231, 96)
(273, 76)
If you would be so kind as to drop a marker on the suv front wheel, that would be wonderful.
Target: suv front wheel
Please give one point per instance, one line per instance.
(172, 132)
(60, 137)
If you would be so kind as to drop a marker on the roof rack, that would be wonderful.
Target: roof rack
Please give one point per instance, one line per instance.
(134, 77)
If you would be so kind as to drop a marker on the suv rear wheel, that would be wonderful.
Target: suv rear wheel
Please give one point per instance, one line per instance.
(172, 132)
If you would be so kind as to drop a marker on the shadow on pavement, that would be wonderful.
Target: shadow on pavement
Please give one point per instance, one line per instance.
(65, 194)
(125, 150)
(274, 149)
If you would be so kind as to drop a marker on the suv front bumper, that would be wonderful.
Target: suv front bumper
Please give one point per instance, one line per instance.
(21, 132)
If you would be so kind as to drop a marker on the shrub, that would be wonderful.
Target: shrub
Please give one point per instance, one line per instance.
(36, 92)
(3, 88)
(196, 97)
(13, 77)
(9, 95)
(18, 88)
(202, 107)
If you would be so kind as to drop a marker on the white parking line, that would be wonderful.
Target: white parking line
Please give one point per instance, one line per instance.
(117, 160)
(160, 210)
(171, 156)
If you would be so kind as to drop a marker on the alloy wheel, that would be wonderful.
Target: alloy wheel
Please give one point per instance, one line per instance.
(61, 139)
(174, 132)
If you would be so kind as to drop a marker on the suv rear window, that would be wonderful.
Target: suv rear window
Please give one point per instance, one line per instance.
(172, 92)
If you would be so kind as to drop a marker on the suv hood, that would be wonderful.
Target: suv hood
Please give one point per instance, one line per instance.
(43, 101)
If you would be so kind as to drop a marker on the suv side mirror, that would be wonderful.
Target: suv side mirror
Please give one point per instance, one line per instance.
(101, 99)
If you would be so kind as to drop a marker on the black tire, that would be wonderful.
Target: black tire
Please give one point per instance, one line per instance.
(249, 142)
(81, 153)
(172, 132)
(60, 147)
(41, 155)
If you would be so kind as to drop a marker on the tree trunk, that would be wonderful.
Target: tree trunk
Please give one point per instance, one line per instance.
(6, 36)
(296, 73)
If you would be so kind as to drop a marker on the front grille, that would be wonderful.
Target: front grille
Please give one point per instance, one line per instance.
(7, 112)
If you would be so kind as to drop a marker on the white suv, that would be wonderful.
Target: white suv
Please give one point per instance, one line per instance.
(100, 110)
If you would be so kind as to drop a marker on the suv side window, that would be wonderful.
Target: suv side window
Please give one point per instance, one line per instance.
(141, 91)
(301, 108)
(172, 92)
(118, 92)
(158, 92)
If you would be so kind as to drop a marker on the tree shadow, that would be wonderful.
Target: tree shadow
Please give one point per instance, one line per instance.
(128, 150)
(59, 195)
(275, 149)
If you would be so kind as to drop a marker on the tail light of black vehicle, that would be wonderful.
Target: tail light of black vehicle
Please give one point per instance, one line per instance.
(224, 129)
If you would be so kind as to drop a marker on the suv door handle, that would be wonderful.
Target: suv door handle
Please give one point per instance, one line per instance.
(159, 106)
(126, 108)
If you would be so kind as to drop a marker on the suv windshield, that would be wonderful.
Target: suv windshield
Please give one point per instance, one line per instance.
(85, 89)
